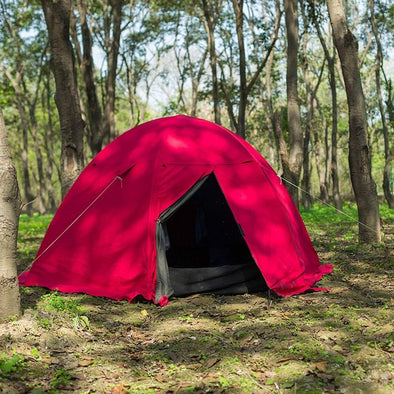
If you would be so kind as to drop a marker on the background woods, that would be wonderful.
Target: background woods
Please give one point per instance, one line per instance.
(75, 74)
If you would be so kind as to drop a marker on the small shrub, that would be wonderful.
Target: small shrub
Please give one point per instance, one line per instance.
(52, 302)
(61, 378)
(15, 364)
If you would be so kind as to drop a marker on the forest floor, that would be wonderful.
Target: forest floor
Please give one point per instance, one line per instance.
(341, 341)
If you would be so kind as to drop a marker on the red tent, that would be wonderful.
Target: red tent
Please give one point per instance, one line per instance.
(174, 206)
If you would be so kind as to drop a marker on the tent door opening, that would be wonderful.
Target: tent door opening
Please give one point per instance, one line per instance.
(201, 249)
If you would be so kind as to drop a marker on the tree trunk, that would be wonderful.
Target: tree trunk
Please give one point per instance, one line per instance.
(282, 146)
(293, 107)
(210, 20)
(388, 194)
(243, 93)
(268, 91)
(32, 103)
(40, 165)
(96, 132)
(27, 189)
(306, 199)
(334, 141)
(49, 138)
(334, 132)
(245, 86)
(334, 105)
(270, 113)
(180, 57)
(112, 52)
(322, 156)
(17, 82)
(359, 154)
(57, 16)
(306, 196)
(389, 100)
(9, 218)
(196, 79)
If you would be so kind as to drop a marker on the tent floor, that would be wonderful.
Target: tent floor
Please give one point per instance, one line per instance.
(226, 279)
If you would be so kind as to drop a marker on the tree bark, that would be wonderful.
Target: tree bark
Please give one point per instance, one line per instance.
(210, 20)
(49, 138)
(9, 218)
(266, 89)
(322, 155)
(57, 16)
(96, 131)
(17, 82)
(40, 204)
(334, 106)
(388, 155)
(306, 196)
(243, 93)
(270, 102)
(180, 57)
(196, 79)
(112, 52)
(293, 107)
(359, 154)
(281, 143)
(17, 85)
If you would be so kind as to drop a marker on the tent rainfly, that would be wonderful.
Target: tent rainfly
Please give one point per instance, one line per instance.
(176, 206)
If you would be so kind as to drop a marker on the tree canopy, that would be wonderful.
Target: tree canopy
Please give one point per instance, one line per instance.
(223, 60)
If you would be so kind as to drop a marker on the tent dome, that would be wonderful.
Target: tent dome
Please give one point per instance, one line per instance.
(115, 233)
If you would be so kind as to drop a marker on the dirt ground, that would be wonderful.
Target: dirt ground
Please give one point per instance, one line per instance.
(339, 341)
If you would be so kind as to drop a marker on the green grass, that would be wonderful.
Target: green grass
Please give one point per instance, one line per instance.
(341, 341)
(31, 232)
(323, 216)
(11, 365)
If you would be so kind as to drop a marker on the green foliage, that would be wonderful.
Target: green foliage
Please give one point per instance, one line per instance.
(35, 225)
(65, 307)
(386, 213)
(54, 302)
(161, 49)
(36, 353)
(60, 378)
(310, 343)
(31, 231)
(307, 350)
(8, 366)
(45, 323)
(320, 214)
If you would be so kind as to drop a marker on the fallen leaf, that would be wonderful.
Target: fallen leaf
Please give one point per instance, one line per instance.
(86, 361)
(194, 366)
(320, 366)
(175, 357)
(246, 339)
(212, 375)
(192, 297)
(118, 390)
(285, 360)
(211, 362)
(144, 313)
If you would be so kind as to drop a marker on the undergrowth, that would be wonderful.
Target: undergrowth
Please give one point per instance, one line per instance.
(339, 341)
